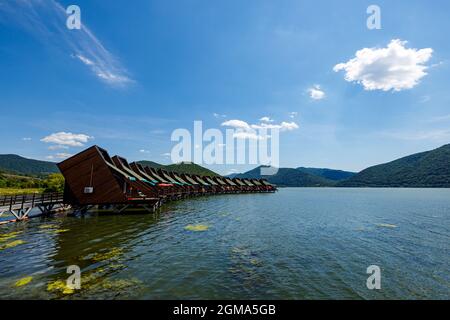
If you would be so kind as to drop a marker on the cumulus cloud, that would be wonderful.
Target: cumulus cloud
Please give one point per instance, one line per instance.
(316, 93)
(57, 147)
(251, 135)
(237, 124)
(46, 20)
(59, 156)
(392, 68)
(245, 130)
(67, 139)
(266, 119)
(283, 126)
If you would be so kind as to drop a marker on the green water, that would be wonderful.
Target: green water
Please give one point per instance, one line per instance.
(295, 244)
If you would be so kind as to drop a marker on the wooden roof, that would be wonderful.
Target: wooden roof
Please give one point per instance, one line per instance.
(189, 179)
(229, 181)
(239, 182)
(210, 181)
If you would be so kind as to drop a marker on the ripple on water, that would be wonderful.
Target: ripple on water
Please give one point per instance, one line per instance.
(297, 243)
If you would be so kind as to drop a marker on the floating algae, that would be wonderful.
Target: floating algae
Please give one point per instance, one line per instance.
(22, 282)
(8, 236)
(196, 227)
(60, 231)
(59, 286)
(119, 284)
(12, 244)
(255, 262)
(112, 254)
(386, 225)
(47, 226)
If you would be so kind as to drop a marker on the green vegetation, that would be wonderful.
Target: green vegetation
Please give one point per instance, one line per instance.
(17, 184)
(427, 169)
(183, 167)
(151, 164)
(191, 168)
(289, 177)
(14, 191)
(330, 174)
(19, 181)
(54, 183)
(16, 164)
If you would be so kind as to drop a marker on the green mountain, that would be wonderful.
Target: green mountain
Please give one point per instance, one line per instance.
(182, 167)
(16, 164)
(289, 177)
(425, 169)
(151, 164)
(330, 174)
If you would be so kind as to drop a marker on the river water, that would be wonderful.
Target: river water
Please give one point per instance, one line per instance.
(299, 243)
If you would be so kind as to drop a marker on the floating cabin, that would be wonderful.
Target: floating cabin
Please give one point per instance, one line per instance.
(93, 178)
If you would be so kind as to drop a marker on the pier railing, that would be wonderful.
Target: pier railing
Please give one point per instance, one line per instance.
(30, 200)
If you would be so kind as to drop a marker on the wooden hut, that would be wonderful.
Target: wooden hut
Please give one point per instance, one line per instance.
(91, 178)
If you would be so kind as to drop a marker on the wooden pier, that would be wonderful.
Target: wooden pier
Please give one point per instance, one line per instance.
(21, 205)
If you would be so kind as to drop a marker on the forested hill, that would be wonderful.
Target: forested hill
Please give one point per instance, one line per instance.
(16, 164)
(425, 169)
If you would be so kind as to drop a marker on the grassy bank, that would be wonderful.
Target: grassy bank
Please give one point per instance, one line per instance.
(14, 191)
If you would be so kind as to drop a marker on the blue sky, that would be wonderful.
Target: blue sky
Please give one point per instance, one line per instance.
(135, 73)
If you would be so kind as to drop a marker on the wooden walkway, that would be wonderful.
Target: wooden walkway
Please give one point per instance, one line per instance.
(21, 205)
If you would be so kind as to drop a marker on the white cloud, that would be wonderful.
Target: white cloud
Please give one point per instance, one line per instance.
(26, 139)
(247, 131)
(59, 156)
(63, 155)
(57, 147)
(392, 68)
(67, 139)
(316, 93)
(292, 115)
(46, 20)
(283, 126)
(237, 124)
(251, 135)
(266, 119)
(167, 154)
(217, 115)
(144, 151)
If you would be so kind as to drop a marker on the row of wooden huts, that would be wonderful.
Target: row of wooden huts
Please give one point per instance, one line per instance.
(92, 178)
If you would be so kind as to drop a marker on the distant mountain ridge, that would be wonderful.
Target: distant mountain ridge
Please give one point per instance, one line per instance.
(288, 177)
(16, 164)
(330, 174)
(430, 169)
(425, 169)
